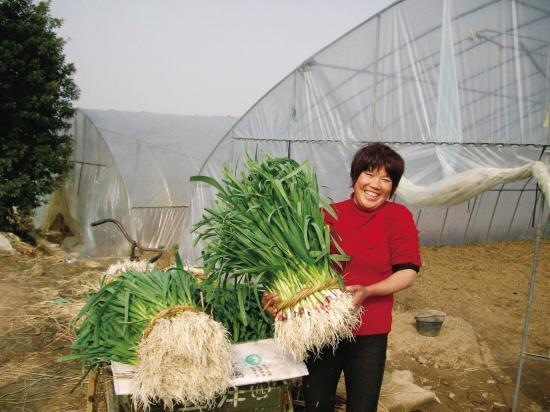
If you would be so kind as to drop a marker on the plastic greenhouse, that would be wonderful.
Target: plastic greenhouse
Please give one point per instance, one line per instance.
(133, 167)
(461, 89)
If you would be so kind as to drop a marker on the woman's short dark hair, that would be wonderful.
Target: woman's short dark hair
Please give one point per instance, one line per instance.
(374, 156)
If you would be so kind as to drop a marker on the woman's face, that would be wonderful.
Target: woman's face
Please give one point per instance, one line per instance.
(372, 189)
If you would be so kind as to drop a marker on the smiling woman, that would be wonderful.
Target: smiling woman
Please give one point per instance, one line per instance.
(381, 239)
(372, 188)
(375, 172)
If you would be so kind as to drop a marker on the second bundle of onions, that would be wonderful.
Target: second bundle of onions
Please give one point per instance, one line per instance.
(267, 230)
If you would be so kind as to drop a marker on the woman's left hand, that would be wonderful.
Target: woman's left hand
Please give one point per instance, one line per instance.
(399, 280)
(360, 293)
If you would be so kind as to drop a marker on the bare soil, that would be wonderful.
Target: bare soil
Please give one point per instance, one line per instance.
(470, 365)
(483, 289)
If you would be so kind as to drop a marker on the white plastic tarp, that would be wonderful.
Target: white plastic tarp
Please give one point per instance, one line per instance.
(135, 168)
(459, 87)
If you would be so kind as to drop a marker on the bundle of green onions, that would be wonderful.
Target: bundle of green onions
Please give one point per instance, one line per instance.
(267, 228)
(154, 321)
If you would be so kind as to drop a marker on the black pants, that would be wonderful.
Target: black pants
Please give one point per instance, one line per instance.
(362, 361)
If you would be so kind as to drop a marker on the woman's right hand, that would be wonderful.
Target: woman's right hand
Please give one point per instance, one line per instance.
(270, 302)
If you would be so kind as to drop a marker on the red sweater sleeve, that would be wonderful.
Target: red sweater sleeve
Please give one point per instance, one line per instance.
(404, 243)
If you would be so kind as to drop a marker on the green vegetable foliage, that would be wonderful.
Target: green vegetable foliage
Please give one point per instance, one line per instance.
(267, 228)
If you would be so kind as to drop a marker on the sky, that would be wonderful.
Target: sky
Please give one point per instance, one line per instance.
(207, 57)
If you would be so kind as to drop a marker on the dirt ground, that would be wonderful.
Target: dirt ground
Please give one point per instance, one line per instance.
(469, 366)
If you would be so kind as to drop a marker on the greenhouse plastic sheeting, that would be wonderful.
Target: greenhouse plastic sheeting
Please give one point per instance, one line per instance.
(456, 87)
(135, 167)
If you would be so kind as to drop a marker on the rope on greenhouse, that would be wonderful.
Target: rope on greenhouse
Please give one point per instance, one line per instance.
(463, 186)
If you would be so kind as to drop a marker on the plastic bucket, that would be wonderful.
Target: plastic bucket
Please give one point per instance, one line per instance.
(429, 322)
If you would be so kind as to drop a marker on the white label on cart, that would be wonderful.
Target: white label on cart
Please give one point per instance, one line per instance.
(253, 362)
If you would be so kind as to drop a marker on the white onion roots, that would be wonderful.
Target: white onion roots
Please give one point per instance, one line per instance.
(307, 329)
(127, 264)
(184, 359)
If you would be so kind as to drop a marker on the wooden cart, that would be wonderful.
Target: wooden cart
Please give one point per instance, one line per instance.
(266, 396)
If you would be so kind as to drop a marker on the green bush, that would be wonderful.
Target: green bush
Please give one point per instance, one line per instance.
(36, 94)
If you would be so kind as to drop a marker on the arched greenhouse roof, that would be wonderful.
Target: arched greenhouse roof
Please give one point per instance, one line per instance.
(426, 71)
(133, 167)
(460, 88)
(156, 153)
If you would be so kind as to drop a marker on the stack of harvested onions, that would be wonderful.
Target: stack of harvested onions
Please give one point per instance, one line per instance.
(152, 319)
(267, 228)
